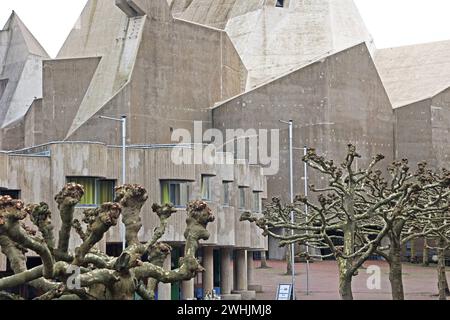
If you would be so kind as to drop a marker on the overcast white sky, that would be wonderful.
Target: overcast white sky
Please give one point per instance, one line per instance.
(391, 22)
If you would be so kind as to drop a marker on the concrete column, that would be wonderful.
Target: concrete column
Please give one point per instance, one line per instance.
(252, 286)
(187, 290)
(241, 270)
(250, 268)
(208, 274)
(165, 289)
(226, 271)
(242, 277)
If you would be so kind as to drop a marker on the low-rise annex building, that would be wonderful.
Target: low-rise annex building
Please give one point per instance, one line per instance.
(38, 173)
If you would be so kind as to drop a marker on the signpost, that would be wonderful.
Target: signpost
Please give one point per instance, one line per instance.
(284, 292)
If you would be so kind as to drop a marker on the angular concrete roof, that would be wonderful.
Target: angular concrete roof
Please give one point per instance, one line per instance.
(272, 41)
(33, 45)
(414, 73)
(21, 58)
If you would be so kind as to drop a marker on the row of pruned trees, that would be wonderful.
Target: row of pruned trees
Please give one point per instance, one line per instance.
(88, 273)
(362, 213)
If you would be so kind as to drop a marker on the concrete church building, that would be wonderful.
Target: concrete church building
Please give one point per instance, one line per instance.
(232, 64)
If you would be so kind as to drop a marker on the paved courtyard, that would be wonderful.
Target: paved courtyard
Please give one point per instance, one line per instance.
(420, 282)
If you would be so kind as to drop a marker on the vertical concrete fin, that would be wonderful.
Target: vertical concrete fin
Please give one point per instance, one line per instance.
(113, 72)
(130, 8)
(156, 9)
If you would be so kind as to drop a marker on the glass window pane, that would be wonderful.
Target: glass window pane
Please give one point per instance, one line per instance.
(184, 194)
(206, 187)
(242, 198)
(226, 193)
(256, 202)
(175, 193)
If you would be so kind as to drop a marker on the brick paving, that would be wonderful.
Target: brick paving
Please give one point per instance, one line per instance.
(420, 282)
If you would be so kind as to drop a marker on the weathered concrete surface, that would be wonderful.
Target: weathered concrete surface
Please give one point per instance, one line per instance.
(62, 95)
(334, 101)
(160, 72)
(273, 41)
(423, 131)
(21, 58)
(414, 73)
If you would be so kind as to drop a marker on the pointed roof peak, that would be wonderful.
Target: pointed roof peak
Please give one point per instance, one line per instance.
(33, 44)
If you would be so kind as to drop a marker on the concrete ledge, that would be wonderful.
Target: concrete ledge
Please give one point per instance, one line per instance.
(255, 287)
(231, 296)
(246, 295)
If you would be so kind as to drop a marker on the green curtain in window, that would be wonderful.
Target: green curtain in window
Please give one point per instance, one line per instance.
(105, 191)
(89, 190)
(165, 193)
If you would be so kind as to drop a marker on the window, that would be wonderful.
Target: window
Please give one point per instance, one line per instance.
(242, 198)
(256, 202)
(280, 3)
(175, 192)
(15, 194)
(96, 191)
(206, 188)
(226, 193)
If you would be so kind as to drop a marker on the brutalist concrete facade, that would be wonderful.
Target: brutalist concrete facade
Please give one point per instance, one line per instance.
(21, 58)
(241, 64)
(417, 80)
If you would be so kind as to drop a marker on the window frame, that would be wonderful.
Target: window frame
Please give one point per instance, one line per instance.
(226, 189)
(259, 208)
(208, 197)
(242, 198)
(96, 185)
(169, 183)
(6, 191)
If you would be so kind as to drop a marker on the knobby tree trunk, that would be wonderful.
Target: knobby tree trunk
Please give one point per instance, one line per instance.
(413, 257)
(345, 265)
(264, 260)
(395, 272)
(345, 279)
(288, 261)
(425, 258)
(442, 278)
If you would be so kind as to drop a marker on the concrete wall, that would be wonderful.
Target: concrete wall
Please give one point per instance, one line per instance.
(34, 126)
(422, 131)
(413, 133)
(334, 101)
(440, 117)
(63, 94)
(274, 41)
(160, 72)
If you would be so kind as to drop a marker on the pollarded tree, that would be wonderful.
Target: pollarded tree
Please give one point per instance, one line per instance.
(436, 227)
(424, 199)
(341, 220)
(353, 213)
(89, 273)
